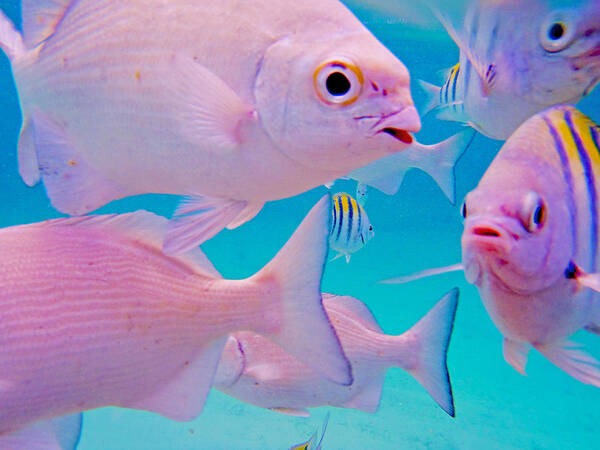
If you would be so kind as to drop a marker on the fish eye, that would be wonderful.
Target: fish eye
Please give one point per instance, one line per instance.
(534, 212)
(558, 31)
(370, 227)
(463, 210)
(338, 82)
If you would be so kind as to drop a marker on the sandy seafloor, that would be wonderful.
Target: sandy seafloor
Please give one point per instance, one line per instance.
(496, 407)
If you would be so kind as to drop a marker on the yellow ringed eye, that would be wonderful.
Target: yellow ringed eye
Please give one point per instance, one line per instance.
(338, 82)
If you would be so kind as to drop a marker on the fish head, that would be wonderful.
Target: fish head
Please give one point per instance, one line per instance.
(367, 232)
(566, 60)
(518, 228)
(335, 103)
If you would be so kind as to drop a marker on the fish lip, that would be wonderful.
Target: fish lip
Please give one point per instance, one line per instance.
(398, 124)
(489, 236)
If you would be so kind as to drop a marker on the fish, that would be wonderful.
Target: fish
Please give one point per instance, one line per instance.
(61, 433)
(351, 228)
(362, 194)
(255, 371)
(312, 443)
(94, 314)
(530, 241)
(437, 160)
(517, 58)
(231, 104)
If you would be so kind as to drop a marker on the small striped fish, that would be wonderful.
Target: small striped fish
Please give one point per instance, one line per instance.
(507, 73)
(350, 226)
(530, 242)
(312, 443)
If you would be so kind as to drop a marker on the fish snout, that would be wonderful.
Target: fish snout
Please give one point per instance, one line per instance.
(398, 124)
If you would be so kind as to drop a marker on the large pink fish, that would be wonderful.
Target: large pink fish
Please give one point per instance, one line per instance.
(234, 103)
(259, 372)
(94, 314)
(531, 237)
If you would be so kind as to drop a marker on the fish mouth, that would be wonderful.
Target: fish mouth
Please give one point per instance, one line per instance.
(487, 236)
(401, 135)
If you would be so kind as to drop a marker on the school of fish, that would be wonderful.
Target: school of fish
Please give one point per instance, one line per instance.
(233, 104)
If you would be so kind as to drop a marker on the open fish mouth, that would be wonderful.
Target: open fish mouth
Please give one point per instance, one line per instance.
(401, 135)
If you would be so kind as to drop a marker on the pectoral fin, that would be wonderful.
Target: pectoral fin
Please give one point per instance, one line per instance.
(40, 18)
(515, 353)
(208, 110)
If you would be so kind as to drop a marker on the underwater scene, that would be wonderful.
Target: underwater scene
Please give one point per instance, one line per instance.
(309, 147)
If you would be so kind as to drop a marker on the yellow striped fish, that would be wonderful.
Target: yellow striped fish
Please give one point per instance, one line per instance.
(350, 226)
(530, 242)
(517, 58)
(312, 443)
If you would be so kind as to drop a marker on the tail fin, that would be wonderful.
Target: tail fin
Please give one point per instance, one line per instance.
(432, 94)
(11, 41)
(441, 158)
(433, 334)
(305, 329)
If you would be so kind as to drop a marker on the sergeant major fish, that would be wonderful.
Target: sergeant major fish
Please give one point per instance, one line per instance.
(350, 226)
(313, 443)
(233, 103)
(94, 314)
(517, 57)
(254, 370)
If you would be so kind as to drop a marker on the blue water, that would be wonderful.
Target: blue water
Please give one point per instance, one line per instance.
(496, 407)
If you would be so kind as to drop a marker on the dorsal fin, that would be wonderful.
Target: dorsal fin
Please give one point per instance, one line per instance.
(40, 19)
(352, 307)
(144, 227)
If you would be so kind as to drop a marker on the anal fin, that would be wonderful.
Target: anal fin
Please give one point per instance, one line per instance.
(297, 412)
(515, 353)
(183, 398)
(74, 187)
(62, 433)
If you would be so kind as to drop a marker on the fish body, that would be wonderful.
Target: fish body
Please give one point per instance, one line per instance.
(531, 232)
(351, 228)
(197, 99)
(94, 314)
(517, 58)
(255, 371)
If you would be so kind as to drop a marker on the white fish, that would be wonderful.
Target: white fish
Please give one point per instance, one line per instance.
(254, 370)
(232, 103)
(95, 314)
(351, 228)
(517, 57)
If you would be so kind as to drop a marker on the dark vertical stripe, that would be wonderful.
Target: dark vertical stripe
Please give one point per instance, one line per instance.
(455, 82)
(341, 209)
(446, 87)
(359, 227)
(334, 223)
(350, 218)
(591, 186)
(567, 175)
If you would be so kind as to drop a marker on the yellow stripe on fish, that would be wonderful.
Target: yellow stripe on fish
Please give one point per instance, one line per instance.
(350, 226)
(448, 91)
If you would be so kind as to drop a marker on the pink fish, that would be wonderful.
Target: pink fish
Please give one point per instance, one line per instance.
(254, 370)
(94, 314)
(232, 103)
(531, 234)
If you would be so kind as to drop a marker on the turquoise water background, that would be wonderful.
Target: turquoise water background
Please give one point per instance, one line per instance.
(417, 228)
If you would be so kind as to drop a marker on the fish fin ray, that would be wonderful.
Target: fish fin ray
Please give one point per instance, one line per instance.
(73, 186)
(198, 219)
(41, 18)
(61, 433)
(143, 226)
(368, 398)
(11, 41)
(433, 333)
(209, 111)
(27, 156)
(439, 160)
(297, 269)
(515, 353)
(569, 357)
(183, 398)
(590, 280)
